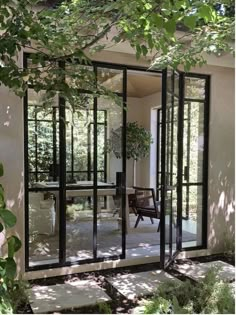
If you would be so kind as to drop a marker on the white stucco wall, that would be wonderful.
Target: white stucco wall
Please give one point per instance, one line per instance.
(12, 157)
(221, 150)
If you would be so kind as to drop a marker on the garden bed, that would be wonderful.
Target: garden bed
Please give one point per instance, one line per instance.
(119, 303)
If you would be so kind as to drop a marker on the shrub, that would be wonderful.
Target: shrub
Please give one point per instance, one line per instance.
(104, 308)
(210, 296)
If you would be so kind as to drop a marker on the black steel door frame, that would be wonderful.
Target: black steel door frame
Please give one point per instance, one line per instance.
(164, 175)
(161, 155)
(62, 262)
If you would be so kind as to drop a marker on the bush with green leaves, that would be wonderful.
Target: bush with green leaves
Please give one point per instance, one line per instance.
(11, 291)
(104, 308)
(209, 296)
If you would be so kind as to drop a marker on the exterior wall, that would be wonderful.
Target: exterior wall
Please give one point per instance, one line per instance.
(221, 153)
(221, 178)
(11, 155)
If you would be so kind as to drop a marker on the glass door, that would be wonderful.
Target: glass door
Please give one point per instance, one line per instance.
(171, 165)
(75, 165)
(95, 168)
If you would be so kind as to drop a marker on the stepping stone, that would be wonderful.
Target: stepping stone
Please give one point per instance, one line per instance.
(197, 272)
(140, 284)
(53, 298)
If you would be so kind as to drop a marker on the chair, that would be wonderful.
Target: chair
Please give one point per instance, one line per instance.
(146, 205)
(132, 199)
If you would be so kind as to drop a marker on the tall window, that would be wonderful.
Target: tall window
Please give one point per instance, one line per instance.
(44, 149)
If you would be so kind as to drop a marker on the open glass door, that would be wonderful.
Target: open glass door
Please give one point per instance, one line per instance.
(171, 165)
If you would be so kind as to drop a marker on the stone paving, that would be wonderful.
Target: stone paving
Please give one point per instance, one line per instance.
(54, 298)
(139, 284)
(82, 293)
(226, 272)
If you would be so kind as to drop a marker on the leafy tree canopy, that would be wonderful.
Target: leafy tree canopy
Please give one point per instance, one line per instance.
(71, 31)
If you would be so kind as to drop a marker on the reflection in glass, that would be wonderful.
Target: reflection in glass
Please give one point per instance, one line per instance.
(194, 88)
(43, 227)
(109, 199)
(193, 150)
(43, 144)
(111, 79)
(79, 171)
(79, 224)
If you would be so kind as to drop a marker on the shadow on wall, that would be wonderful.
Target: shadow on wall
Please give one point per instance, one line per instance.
(221, 200)
(11, 155)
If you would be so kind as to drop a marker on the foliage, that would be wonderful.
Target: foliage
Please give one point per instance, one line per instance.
(210, 296)
(138, 141)
(72, 31)
(104, 308)
(8, 285)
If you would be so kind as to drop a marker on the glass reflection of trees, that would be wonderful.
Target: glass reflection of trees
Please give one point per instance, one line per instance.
(43, 143)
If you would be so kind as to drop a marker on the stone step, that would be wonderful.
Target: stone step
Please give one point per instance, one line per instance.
(197, 272)
(54, 298)
(139, 284)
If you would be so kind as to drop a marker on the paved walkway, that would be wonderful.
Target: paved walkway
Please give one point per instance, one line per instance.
(82, 293)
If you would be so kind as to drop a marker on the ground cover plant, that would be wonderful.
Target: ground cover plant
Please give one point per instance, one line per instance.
(209, 296)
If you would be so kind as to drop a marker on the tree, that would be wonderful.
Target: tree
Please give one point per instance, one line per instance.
(69, 32)
(138, 143)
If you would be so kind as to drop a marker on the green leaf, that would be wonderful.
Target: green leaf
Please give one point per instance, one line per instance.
(170, 26)
(14, 244)
(205, 12)
(1, 227)
(9, 219)
(190, 21)
(144, 50)
(1, 170)
(10, 268)
(157, 20)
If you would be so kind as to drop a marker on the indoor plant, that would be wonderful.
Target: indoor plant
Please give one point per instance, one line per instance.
(138, 141)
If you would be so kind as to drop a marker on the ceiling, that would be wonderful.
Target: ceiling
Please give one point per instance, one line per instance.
(139, 84)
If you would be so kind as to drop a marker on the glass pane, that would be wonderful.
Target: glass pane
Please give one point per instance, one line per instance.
(79, 201)
(44, 145)
(192, 207)
(194, 88)
(79, 224)
(111, 79)
(80, 77)
(79, 140)
(43, 227)
(193, 142)
(43, 142)
(109, 148)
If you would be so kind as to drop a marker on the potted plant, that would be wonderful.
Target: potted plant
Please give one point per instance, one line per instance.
(138, 141)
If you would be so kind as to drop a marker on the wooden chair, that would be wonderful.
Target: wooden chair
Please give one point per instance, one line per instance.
(146, 205)
(132, 200)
